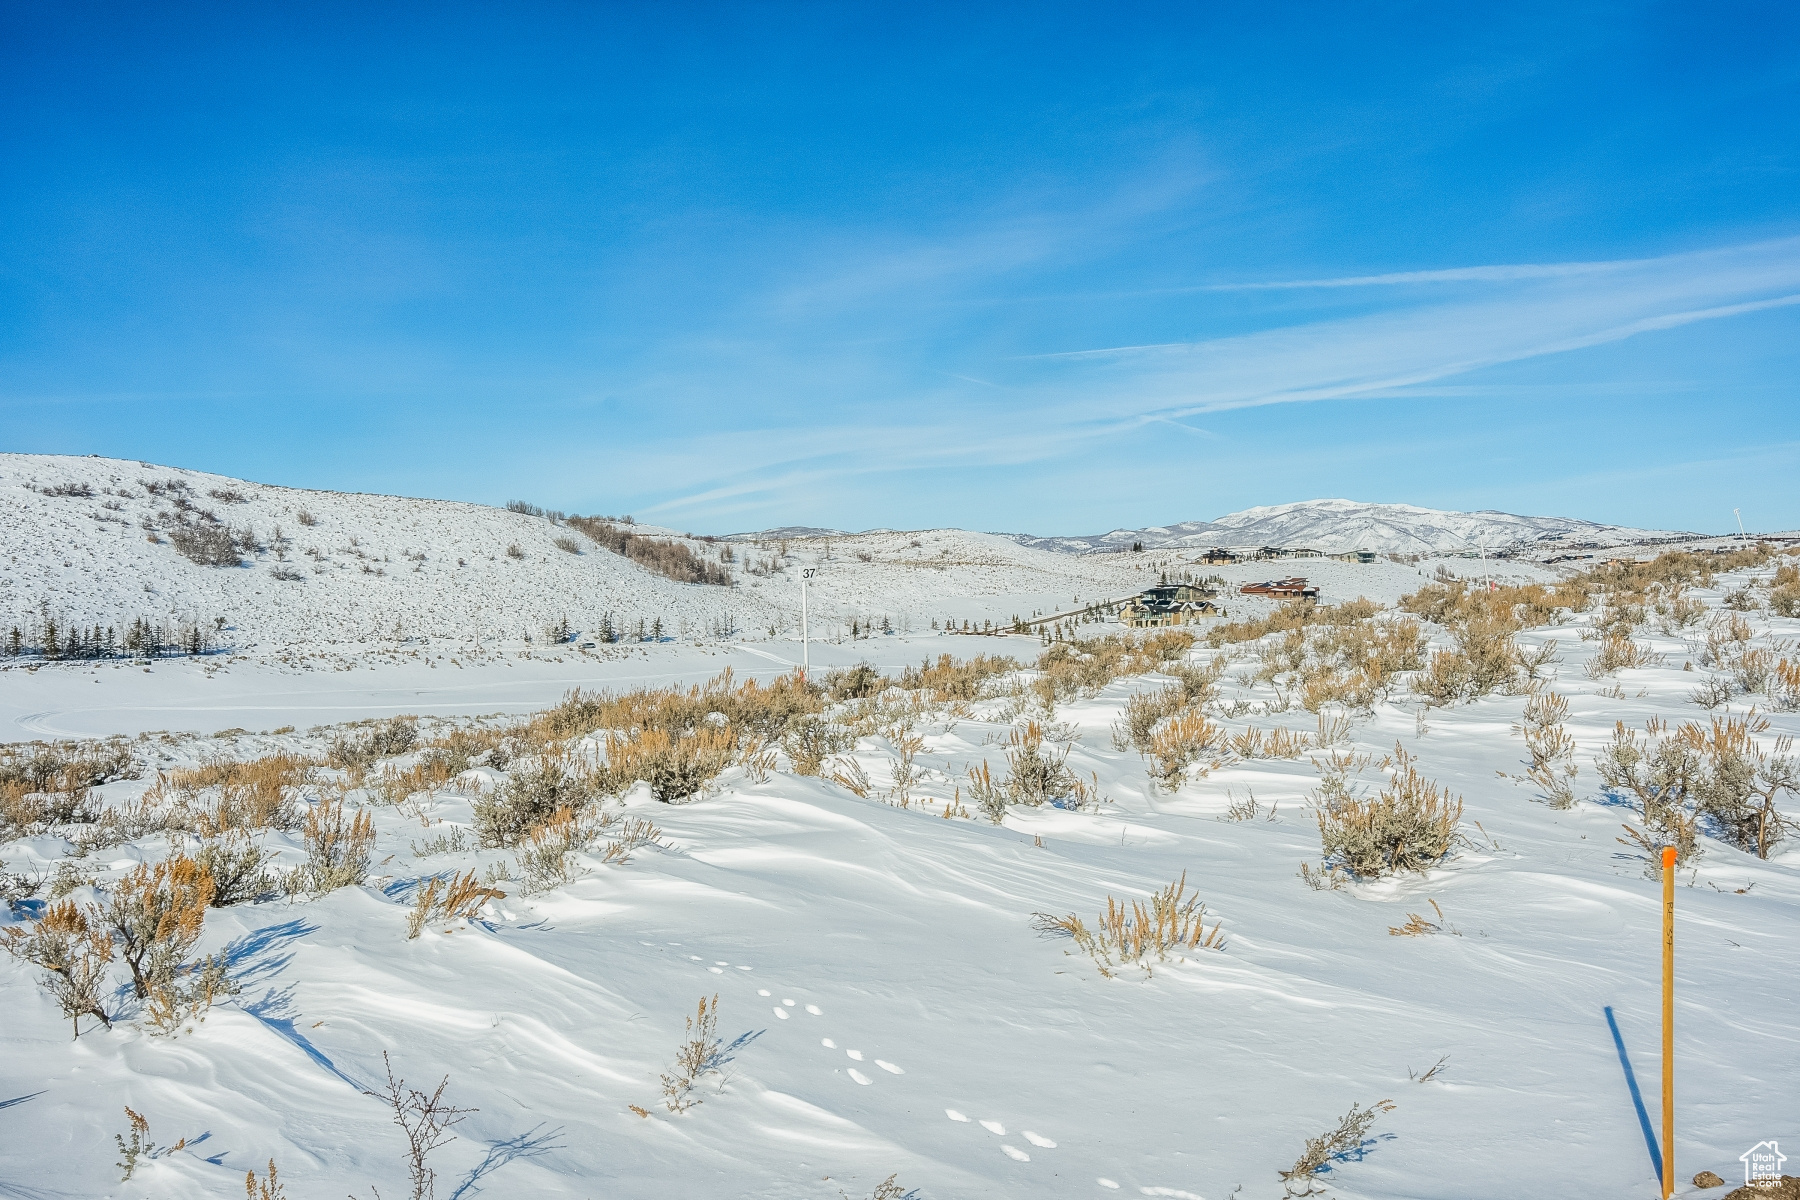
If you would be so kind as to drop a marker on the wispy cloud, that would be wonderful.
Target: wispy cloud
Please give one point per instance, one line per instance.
(1501, 321)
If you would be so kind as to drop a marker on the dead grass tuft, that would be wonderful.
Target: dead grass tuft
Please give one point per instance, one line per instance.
(458, 899)
(1173, 923)
(699, 1055)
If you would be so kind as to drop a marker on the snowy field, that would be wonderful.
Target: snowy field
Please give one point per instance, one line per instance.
(885, 1005)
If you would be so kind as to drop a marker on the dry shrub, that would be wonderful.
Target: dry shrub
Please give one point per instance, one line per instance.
(1726, 640)
(426, 1120)
(670, 558)
(676, 766)
(1322, 685)
(1036, 776)
(810, 739)
(459, 899)
(1125, 934)
(1784, 687)
(46, 785)
(547, 854)
(238, 867)
(1617, 653)
(1784, 599)
(338, 845)
(1660, 773)
(1068, 670)
(1455, 603)
(1295, 615)
(848, 773)
(434, 770)
(949, 680)
(73, 951)
(531, 796)
(1410, 825)
(1675, 612)
(1179, 743)
(1717, 771)
(1334, 1145)
(261, 793)
(751, 711)
(1144, 711)
(205, 545)
(1551, 748)
(633, 833)
(269, 1187)
(1275, 743)
(157, 913)
(701, 1053)
(386, 739)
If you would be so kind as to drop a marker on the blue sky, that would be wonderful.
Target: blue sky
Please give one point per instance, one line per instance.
(1045, 268)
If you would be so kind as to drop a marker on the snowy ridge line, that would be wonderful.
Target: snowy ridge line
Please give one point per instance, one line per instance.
(1343, 526)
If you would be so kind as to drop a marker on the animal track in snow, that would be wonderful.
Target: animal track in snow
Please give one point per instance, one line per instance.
(994, 1127)
(1038, 1139)
(715, 970)
(781, 1012)
(1013, 1152)
(815, 1010)
(762, 991)
(955, 1116)
(1103, 1181)
(789, 1003)
(828, 1043)
(891, 1069)
(856, 1054)
(859, 1076)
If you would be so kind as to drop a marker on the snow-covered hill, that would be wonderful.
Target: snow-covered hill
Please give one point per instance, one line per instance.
(87, 540)
(1340, 526)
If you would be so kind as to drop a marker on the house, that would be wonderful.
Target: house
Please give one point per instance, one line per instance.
(1168, 604)
(1218, 554)
(1293, 588)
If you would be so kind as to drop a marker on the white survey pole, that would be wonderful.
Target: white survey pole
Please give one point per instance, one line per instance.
(1742, 536)
(806, 576)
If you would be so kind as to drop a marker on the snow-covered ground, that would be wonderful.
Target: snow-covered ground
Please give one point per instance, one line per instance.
(889, 1007)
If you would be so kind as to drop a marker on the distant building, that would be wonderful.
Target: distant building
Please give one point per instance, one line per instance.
(1294, 588)
(1218, 554)
(1168, 604)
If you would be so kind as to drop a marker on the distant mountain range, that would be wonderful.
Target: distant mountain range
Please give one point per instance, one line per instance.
(1340, 526)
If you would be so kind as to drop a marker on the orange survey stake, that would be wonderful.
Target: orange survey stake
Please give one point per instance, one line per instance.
(1668, 1015)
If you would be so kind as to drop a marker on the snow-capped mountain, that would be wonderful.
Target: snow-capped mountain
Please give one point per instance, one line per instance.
(1340, 526)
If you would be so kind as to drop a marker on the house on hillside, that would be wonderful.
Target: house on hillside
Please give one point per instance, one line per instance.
(1218, 554)
(1168, 604)
(1293, 588)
